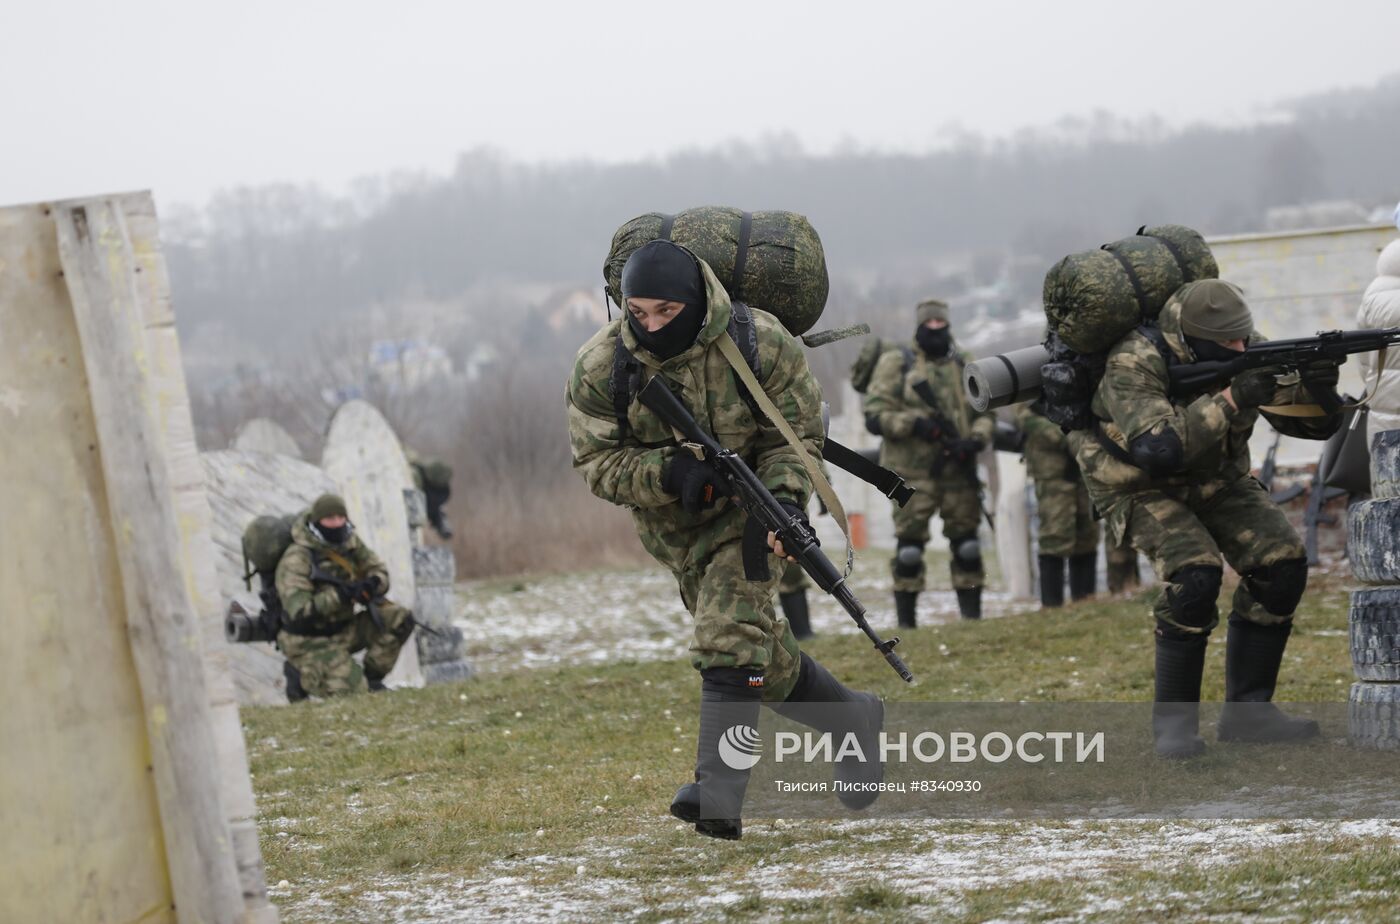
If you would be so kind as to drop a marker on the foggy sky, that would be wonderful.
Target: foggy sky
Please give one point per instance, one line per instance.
(190, 97)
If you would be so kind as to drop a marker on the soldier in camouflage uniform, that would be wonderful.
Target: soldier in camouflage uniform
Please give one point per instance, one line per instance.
(322, 576)
(934, 447)
(1068, 531)
(434, 478)
(1172, 476)
(676, 312)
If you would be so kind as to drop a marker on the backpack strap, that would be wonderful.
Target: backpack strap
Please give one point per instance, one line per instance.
(1174, 250)
(1154, 335)
(741, 258)
(1138, 291)
(667, 222)
(623, 384)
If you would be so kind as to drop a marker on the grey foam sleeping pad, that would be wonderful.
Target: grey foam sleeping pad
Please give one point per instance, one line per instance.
(1385, 464)
(784, 269)
(1375, 634)
(1373, 540)
(1093, 299)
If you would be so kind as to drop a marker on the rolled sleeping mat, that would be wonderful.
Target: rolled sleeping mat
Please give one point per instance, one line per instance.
(1007, 378)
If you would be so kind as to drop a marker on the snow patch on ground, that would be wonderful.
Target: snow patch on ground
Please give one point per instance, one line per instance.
(931, 860)
(606, 617)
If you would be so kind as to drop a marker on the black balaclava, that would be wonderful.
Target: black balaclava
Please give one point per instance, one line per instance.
(664, 270)
(1210, 351)
(335, 536)
(935, 342)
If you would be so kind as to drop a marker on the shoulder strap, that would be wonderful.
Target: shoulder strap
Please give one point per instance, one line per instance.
(623, 383)
(731, 352)
(1138, 292)
(1154, 335)
(1174, 250)
(908, 354)
(342, 561)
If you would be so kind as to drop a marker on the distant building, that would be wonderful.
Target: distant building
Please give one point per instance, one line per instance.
(407, 364)
(575, 307)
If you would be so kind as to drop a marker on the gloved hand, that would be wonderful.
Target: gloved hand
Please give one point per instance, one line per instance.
(1321, 375)
(1254, 387)
(691, 480)
(925, 428)
(365, 590)
(965, 450)
(795, 510)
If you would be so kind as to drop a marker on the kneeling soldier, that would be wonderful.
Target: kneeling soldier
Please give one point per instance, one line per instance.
(324, 574)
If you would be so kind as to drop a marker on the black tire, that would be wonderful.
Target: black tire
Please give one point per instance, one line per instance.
(1373, 540)
(1375, 716)
(1375, 634)
(1385, 464)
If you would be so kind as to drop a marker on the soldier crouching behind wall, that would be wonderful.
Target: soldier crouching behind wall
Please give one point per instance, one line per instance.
(1172, 475)
(676, 311)
(324, 574)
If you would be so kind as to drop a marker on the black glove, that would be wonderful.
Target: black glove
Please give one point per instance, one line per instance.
(965, 450)
(365, 590)
(926, 428)
(796, 510)
(1321, 375)
(1254, 387)
(691, 480)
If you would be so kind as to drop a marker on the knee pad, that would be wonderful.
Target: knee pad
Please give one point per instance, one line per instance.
(1278, 587)
(908, 559)
(1192, 594)
(967, 553)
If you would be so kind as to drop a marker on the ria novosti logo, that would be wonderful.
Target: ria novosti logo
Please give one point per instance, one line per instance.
(740, 747)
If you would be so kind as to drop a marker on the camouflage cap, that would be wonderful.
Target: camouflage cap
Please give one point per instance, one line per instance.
(1214, 309)
(328, 505)
(931, 309)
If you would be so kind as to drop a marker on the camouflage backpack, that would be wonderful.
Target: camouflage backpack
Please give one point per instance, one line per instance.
(264, 541)
(773, 260)
(1094, 299)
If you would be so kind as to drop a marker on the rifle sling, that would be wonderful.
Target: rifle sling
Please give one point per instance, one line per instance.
(885, 481)
(731, 352)
(342, 561)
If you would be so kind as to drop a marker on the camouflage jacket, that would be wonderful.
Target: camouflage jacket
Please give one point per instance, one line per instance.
(303, 598)
(1132, 400)
(893, 401)
(1046, 451)
(627, 469)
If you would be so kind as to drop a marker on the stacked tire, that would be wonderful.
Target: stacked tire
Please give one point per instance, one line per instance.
(1373, 547)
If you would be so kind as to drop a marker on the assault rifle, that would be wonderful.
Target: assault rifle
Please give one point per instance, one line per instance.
(371, 603)
(766, 515)
(948, 431)
(1333, 345)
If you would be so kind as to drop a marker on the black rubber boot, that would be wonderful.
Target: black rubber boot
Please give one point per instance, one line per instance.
(970, 602)
(295, 692)
(1083, 575)
(1253, 653)
(375, 680)
(795, 609)
(1052, 581)
(905, 605)
(1176, 712)
(822, 702)
(728, 709)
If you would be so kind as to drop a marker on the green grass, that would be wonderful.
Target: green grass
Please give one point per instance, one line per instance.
(532, 774)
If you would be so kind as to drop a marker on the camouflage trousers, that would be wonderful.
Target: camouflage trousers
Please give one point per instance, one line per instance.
(1065, 517)
(955, 499)
(793, 579)
(325, 662)
(1199, 524)
(736, 624)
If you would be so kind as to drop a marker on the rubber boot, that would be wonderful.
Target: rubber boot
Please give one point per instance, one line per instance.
(728, 708)
(1083, 575)
(905, 605)
(822, 702)
(1176, 712)
(970, 602)
(295, 692)
(1253, 653)
(795, 609)
(1052, 581)
(375, 680)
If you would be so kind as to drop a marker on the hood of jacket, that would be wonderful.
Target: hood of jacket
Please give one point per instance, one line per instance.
(302, 535)
(717, 312)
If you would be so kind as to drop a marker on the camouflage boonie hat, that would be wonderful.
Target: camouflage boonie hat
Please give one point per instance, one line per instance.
(1214, 309)
(931, 309)
(328, 505)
